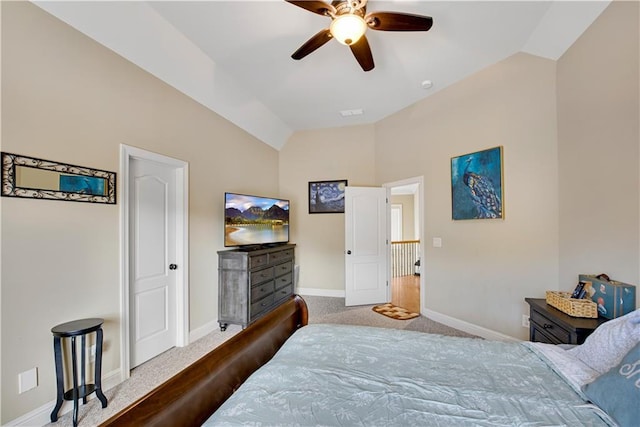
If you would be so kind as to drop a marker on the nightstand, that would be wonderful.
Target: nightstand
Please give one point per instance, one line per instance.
(549, 325)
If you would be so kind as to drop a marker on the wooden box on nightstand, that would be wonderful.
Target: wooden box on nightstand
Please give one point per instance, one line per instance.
(550, 325)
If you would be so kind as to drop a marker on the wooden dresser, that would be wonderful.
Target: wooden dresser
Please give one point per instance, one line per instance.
(253, 282)
(549, 325)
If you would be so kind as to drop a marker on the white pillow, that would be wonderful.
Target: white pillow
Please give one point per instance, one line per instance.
(609, 343)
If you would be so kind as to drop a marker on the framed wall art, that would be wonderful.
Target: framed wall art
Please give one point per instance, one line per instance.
(326, 196)
(34, 178)
(477, 185)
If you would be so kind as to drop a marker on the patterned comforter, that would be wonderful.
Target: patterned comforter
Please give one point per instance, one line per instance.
(338, 375)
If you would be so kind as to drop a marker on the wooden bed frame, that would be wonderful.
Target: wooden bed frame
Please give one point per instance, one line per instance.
(191, 396)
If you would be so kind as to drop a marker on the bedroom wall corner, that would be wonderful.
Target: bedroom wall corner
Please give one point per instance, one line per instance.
(318, 155)
(599, 149)
(66, 98)
(485, 268)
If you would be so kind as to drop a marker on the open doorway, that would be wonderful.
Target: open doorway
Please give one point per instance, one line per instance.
(406, 263)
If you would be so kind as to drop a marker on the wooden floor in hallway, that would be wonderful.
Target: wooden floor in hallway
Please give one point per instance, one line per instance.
(405, 292)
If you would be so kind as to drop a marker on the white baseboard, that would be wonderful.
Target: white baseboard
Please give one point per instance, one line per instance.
(315, 292)
(203, 330)
(467, 327)
(42, 415)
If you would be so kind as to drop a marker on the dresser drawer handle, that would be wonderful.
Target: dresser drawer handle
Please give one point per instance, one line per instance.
(547, 326)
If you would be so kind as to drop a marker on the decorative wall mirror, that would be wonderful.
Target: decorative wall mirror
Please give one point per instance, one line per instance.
(43, 179)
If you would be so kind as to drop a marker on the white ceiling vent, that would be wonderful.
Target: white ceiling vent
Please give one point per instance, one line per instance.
(347, 113)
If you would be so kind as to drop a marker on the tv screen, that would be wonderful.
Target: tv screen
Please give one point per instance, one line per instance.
(255, 220)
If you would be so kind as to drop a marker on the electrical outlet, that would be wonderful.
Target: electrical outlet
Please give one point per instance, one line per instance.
(525, 320)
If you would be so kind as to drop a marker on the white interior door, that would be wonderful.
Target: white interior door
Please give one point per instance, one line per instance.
(366, 246)
(152, 195)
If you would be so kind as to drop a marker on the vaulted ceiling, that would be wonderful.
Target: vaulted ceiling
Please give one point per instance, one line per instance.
(234, 57)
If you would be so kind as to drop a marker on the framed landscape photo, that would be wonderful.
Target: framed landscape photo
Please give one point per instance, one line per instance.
(327, 196)
(477, 185)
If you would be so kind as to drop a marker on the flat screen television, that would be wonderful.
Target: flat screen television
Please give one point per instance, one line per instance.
(255, 220)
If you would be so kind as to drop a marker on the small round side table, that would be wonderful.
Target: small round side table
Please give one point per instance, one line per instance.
(72, 330)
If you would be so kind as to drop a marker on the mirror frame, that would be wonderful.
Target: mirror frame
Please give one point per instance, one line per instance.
(10, 189)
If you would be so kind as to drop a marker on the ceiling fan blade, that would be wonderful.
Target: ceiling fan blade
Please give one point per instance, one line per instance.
(362, 52)
(312, 44)
(319, 7)
(393, 21)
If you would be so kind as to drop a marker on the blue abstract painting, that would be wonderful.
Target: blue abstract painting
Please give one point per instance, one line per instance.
(476, 185)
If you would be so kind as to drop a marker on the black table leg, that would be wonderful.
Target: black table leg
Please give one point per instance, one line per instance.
(98, 361)
(74, 367)
(57, 354)
(83, 381)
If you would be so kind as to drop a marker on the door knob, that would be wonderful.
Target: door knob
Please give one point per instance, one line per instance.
(348, 252)
(173, 266)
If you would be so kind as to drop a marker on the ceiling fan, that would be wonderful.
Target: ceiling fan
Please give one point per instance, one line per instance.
(349, 21)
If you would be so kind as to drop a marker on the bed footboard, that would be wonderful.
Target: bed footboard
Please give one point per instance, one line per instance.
(192, 395)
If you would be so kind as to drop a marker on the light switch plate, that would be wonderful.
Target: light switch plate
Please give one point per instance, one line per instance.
(437, 242)
(27, 380)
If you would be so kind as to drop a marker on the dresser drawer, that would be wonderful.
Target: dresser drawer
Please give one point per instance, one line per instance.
(281, 255)
(537, 335)
(260, 306)
(262, 290)
(256, 277)
(283, 281)
(284, 268)
(283, 293)
(256, 261)
(550, 328)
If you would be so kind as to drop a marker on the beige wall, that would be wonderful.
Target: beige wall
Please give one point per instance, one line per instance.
(330, 154)
(408, 215)
(485, 268)
(68, 99)
(598, 148)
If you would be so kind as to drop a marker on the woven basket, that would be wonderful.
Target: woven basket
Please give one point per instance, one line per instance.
(572, 306)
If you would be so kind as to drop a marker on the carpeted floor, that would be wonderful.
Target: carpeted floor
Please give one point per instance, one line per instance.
(332, 310)
(154, 372)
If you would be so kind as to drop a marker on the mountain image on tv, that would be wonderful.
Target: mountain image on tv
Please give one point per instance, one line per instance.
(253, 220)
(257, 215)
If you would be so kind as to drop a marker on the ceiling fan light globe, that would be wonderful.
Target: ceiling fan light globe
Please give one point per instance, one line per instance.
(348, 28)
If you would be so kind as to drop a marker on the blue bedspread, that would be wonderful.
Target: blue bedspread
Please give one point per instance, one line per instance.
(338, 375)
